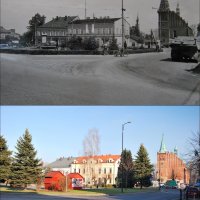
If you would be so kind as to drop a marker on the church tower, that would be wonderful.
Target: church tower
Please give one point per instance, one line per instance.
(178, 9)
(163, 22)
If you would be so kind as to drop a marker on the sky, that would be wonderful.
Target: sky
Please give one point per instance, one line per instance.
(17, 13)
(59, 131)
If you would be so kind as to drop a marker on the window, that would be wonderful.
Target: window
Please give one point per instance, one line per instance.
(99, 170)
(84, 171)
(104, 170)
(79, 171)
(110, 170)
(79, 31)
(74, 170)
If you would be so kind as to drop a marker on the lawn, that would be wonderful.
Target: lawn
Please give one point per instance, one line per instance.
(84, 192)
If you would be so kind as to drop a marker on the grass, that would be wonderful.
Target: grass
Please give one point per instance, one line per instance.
(84, 192)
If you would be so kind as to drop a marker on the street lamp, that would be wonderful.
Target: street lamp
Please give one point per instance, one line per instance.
(122, 154)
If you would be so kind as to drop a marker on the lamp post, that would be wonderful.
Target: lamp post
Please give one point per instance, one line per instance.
(122, 154)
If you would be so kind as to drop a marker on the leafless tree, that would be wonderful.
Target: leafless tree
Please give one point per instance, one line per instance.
(194, 153)
(91, 148)
(91, 143)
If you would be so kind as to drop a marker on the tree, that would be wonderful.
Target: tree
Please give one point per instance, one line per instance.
(26, 168)
(5, 160)
(143, 168)
(34, 22)
(90, 44)
(198, 30)
(194, 154)
(91, 148)
(113, 45)
(126, 165)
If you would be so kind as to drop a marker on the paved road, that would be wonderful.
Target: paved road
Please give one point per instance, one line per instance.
(142, 79)
(170, 195)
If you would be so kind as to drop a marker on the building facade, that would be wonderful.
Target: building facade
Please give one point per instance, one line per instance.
(97, 169)
(171, 24)
(8, 33)
(103, 29)
(170, 166)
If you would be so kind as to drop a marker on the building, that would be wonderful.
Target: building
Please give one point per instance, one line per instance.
(55, 30)
(8, 34)
(75, 181)
(103, 29)
(171, 24)
(99, 170)
(62, 165)
(54, 180)
(170, 166)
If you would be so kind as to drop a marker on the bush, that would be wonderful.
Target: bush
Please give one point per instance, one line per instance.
(90, 44)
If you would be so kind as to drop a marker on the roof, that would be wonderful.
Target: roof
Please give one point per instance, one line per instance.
(95, 20)
(62, 162)
(59, 22)
(162, 146)
(52, 174)
(103, 158)
(74, 175)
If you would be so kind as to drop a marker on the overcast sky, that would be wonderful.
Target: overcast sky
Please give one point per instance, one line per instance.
(17, 13)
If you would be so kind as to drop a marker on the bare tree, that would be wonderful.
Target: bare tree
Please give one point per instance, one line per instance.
(194, 153)
(91, 143)
(91, 148)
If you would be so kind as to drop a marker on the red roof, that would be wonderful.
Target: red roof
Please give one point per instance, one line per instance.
(74, 175)
(103, 158)
(53, 173)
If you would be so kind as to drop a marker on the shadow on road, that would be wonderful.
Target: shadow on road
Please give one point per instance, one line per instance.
(183, 60)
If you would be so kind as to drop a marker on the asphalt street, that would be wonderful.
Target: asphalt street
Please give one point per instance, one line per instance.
(139, 79)
(169, 195)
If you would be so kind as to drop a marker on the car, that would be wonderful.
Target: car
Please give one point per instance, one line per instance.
(4, 46)
(192, 192)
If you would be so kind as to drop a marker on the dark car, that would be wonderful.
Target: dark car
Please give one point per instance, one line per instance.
(192, 192)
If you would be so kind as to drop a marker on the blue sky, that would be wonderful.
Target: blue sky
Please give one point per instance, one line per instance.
(59, 130)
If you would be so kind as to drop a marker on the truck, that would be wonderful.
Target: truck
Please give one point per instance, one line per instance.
(185, 48)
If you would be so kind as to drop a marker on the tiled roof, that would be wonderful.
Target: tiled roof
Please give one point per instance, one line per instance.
(103, 158)
(59, 22)
(95, 20)
(62, 163)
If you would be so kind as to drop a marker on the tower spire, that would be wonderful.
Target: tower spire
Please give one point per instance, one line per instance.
(162, 146)
(164, 5)
(178, 9)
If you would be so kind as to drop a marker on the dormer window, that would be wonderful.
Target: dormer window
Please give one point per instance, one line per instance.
(84, 161)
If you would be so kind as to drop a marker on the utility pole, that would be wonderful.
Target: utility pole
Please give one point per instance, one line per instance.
(123, 26)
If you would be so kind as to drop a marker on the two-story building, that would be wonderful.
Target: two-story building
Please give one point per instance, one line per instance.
(103, 29)
(97, 169)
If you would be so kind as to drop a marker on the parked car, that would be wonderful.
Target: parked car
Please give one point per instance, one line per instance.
(4, 46)
(192, 192)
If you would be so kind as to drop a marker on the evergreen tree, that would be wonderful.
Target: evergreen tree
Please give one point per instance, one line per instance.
(26, 168)
(143, 167)
(127, 164)
(5, 160)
